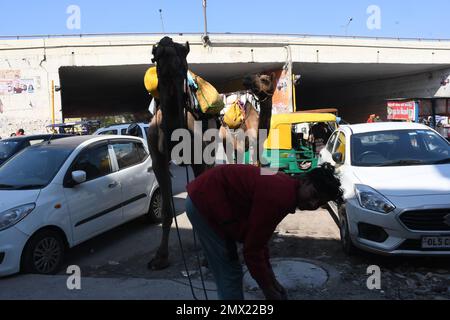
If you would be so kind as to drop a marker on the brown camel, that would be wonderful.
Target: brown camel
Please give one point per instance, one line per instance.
(263, 87)
(171, 114)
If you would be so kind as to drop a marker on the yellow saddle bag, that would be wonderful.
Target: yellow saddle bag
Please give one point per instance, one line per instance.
(151, 82)
(208, 97)
(234, 116)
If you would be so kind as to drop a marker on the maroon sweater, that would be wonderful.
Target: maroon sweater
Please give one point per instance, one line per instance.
(244, 205)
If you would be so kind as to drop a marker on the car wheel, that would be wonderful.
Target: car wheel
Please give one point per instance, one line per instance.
(44, 253)
(346, 241)
(154, 214)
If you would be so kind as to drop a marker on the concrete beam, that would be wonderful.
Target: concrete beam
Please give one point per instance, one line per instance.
(337, 70)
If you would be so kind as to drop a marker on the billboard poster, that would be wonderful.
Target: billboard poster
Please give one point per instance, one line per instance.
(23, 86)
(11, 83)
(282, 98)
(406, 111)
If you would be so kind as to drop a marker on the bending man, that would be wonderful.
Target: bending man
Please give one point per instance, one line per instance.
(239, 203)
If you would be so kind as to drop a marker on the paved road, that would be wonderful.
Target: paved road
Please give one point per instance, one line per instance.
(113, 265)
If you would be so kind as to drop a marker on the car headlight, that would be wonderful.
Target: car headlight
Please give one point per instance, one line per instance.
(373, 200)
(10, 217)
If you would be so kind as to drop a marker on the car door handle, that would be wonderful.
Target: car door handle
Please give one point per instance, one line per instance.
(113, 185)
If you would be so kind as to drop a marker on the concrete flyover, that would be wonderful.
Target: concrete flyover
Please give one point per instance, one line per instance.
(103, 74)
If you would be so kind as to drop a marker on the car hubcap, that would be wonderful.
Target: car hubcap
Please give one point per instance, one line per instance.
(46, 255)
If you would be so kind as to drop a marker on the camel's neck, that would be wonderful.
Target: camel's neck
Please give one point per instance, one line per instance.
(265, 114)
(172, 107)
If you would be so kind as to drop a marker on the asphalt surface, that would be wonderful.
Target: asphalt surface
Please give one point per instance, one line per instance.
(306, 252)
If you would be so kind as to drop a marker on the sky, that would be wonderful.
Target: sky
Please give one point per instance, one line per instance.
(391, 18)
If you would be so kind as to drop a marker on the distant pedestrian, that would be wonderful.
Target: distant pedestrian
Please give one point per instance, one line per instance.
(371, 118)
(319, 135)
(20, 132)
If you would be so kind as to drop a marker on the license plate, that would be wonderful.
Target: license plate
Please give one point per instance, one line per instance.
(436, 242)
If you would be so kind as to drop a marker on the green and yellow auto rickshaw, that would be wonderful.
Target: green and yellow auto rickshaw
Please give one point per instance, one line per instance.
(291, 146)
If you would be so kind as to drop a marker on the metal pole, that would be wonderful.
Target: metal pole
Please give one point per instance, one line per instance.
(205, 37)
(205, 18)
(162, 20)
(294, 94)
(53, 103)
(348, 24)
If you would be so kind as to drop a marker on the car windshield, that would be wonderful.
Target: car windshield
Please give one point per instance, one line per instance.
(7, 148)
(399, 148)
(32, 168)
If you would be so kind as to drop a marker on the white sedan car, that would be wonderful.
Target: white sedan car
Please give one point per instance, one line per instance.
(58, 194)
(396, 181)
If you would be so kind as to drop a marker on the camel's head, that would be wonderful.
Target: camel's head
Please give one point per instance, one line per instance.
(262, 85)
(172, 68)
(171, 59)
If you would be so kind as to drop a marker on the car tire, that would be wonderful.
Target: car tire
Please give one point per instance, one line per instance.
(346, 241)
(154, 214)
(44, 253)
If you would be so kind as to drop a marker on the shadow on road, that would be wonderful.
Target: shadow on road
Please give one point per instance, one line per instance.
(120, 243)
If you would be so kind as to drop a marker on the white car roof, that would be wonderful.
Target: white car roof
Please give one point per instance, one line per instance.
(120, 127)
(123, 125)
(385, 126)
(116, 126)
(76, 142)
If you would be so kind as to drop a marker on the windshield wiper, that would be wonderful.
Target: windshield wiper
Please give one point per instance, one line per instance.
(30, 186)
(401, 163)
(442, 161)
(6, 186)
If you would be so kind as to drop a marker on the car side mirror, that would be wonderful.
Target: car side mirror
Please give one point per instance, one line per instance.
(338, 158)
(79, 177)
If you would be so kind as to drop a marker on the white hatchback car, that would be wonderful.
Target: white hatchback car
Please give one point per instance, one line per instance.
(58, 194)
(121, 129)
(396, 181)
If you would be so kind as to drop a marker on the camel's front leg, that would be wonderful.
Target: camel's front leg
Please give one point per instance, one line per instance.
(161, 258)
(162, 173)
(265, 119)
(228, 144)
(252, 146)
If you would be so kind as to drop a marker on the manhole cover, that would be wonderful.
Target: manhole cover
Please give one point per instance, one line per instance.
(293, 274)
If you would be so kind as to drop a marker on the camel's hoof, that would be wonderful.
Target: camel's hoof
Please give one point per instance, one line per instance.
(158, 263)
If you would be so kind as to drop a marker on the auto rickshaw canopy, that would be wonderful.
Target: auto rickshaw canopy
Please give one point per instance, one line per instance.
(280, 136)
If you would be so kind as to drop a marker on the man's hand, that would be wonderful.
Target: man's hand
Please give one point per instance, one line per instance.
(278, 286)
(271, 293)
(275, 292)
(281, 290)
